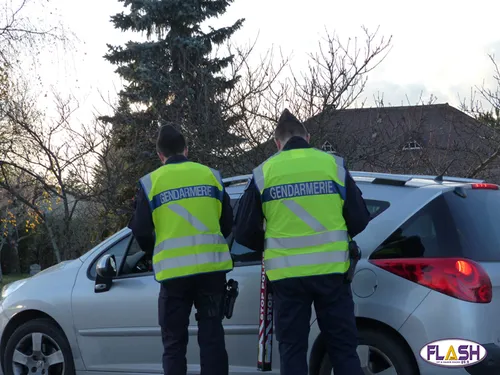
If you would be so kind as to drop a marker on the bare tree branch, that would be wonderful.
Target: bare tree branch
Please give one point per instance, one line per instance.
(335, 78)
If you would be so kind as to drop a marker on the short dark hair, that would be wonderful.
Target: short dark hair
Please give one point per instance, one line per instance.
(170, 141)
(289, 126)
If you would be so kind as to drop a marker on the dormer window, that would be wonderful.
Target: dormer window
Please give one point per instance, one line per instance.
(412, 145)
(327, 147)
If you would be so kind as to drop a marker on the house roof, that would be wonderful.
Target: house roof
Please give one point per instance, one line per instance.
(366, 134)
(427, 122)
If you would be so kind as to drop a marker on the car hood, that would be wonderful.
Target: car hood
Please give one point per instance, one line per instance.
(40, 280)
(55, 268)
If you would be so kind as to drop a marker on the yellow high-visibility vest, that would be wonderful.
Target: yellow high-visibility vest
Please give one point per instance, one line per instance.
(186, 204)
(303, 193)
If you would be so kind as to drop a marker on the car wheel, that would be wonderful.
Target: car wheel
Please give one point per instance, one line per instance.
(38, 347)
(379, 355)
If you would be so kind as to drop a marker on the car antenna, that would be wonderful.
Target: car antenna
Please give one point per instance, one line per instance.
(440, 177)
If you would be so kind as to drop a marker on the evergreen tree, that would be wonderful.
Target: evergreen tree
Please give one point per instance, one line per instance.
(490, 118)
(173, 76)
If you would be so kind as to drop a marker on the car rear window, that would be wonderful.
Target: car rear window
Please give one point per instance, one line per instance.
(376, 207)
(449, 226)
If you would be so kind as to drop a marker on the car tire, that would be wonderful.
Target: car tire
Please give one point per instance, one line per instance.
(384, 351)
(52, 341)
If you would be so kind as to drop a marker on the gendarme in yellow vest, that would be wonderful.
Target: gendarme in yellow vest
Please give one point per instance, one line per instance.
(303, 193)
(186, 204)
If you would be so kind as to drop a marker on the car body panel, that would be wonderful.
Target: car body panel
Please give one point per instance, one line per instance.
(97, 326)
(385, 304)
(131, 344)
(457, 319)
(32, 295)
(138, 296)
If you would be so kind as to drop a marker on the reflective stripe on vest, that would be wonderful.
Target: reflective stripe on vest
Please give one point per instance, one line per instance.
(185, 245)
(310, 248)
(307, 241)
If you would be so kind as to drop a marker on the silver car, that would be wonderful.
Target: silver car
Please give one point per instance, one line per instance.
(430, 270)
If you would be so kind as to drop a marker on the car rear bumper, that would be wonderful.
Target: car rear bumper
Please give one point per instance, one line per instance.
(488, 366)
(440, 317)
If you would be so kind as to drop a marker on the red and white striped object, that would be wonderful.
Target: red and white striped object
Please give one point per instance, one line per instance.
(264, 358)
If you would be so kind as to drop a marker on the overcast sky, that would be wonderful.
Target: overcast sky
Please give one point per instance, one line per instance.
(439, 46)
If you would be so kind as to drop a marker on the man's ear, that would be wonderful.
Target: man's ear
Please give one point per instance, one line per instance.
(308, 137)
(186, 151)
(278, 143)
(162, 157)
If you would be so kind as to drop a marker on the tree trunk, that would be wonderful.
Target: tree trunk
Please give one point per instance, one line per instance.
(69, 248)
(14, 257)
(16, 263)
(55, 248)
(2, 242)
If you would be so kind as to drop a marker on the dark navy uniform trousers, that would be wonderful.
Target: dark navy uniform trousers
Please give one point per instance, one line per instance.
(334, 306)
(175, 302)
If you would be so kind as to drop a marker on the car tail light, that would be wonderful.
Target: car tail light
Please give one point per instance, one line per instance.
(485, 186)
(456, 277)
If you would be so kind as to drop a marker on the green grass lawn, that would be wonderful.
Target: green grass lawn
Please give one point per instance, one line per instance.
(10, 278)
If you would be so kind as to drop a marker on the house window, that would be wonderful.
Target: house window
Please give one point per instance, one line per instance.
(412, 145)
(327, 147)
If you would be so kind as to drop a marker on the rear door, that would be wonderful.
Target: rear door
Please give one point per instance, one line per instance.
(378, 295)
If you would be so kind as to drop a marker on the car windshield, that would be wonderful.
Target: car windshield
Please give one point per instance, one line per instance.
(102, 244)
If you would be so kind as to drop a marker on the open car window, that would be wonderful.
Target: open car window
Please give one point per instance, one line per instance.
(136, 261)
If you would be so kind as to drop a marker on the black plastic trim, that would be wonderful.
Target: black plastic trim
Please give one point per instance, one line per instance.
(488, 366)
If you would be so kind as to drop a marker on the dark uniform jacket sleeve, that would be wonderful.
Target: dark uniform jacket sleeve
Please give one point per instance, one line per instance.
(226, 219)
(141, 223)
(248, 228)
(355, 212)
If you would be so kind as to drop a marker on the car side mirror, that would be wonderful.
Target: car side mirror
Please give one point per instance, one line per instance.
(106, 266)
(105, 271)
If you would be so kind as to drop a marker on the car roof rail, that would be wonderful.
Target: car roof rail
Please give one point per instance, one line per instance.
(452, 179)
(391, 181)
(378, 178)
(397, 179)
(383, 178)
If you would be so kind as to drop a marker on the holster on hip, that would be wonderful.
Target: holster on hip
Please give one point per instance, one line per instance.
(230, 297)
